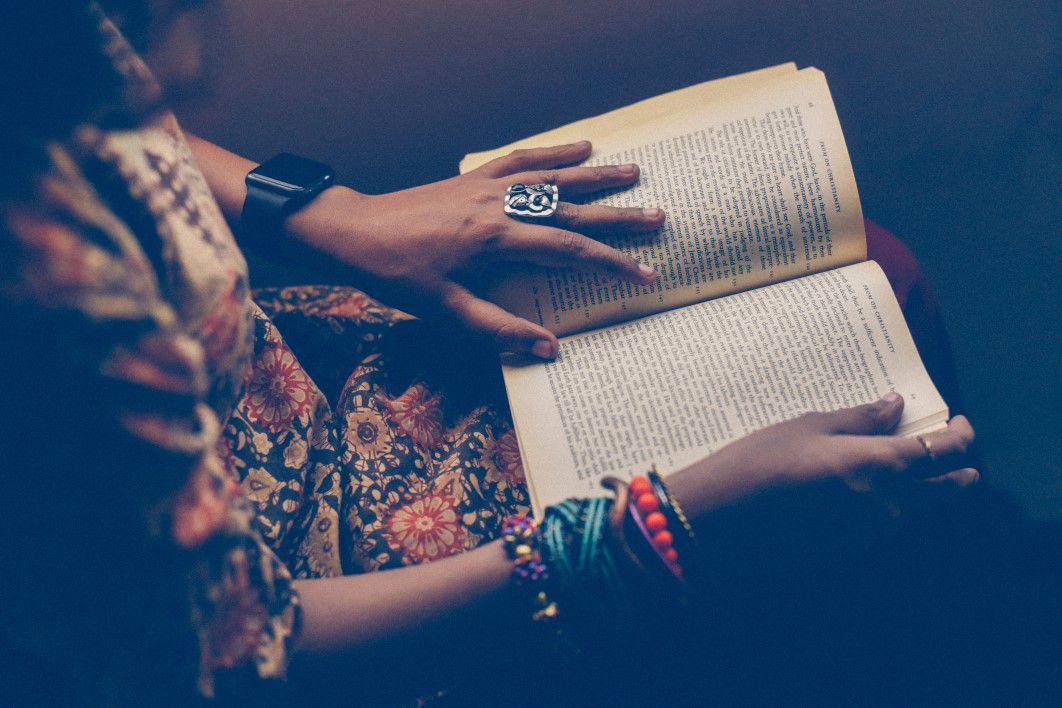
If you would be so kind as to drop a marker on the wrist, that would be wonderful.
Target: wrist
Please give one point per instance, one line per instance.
(720, 480)
(696, 489)
(329, 223)
(314, 222)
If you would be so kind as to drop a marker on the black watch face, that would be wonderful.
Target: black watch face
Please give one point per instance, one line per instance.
(292, 173)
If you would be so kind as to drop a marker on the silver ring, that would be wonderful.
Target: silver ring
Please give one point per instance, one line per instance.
(535, 200)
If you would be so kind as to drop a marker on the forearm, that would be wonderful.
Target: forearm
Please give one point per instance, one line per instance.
(710, 484)
(351, 612)
(224, 172)
(354, 611)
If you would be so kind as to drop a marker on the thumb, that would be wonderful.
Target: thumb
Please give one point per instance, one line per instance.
(875, 418)
(510, 333)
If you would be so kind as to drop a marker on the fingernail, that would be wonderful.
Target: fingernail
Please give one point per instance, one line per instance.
(891, 397)
(646, 271)
(627, 170)
(543, 349)
(583, 144)
(651, 213)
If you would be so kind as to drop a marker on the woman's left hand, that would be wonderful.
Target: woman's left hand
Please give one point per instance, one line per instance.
(853, 445)
(414, 246)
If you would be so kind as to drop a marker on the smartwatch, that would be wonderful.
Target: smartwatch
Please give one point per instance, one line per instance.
(277, 188)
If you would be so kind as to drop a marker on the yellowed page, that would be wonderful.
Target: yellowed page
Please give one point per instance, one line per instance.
(635, 114)
(673, 387)
(758, 189)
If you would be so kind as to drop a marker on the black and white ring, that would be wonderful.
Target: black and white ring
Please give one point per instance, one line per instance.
(534, 201)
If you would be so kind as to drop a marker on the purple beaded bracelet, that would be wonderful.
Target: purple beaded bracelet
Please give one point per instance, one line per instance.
(521, 538)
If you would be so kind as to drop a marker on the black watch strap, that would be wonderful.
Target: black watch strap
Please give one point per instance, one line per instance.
(264, 213)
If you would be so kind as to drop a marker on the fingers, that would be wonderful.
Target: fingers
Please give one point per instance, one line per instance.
(962, 479)
(597, 218)
(549, 246)
(583, 180)
(900, 494)
(510, 333)
(875, 418)
(885, 461)
(537, 159)
(947, 448)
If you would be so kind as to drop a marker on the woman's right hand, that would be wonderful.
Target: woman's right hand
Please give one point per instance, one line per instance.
(418, 248)
(851, 444)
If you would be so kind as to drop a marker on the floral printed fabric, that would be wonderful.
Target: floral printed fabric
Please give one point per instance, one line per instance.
(224, 456)
(123, 280)
(396, 471)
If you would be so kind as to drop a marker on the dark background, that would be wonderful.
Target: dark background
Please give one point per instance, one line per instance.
(951, 112)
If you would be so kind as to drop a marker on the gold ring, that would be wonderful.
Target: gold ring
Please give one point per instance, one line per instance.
(926, 445)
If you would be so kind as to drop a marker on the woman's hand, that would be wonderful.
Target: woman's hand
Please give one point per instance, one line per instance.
(852, 444)
(415, 246)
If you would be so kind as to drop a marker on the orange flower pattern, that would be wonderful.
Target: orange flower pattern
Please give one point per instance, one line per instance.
(416, 412)
(426, 529)
(503, 459)
(279, 390)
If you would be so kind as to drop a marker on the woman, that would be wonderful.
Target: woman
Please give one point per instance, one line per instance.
(206, 483)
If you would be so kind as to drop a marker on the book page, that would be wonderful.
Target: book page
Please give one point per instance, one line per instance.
(758, 189)
(673, 387)
(622, 119)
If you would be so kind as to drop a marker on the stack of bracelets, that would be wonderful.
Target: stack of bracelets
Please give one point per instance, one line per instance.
(572, 555)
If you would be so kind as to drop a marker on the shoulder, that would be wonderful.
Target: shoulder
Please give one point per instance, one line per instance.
(64, 248)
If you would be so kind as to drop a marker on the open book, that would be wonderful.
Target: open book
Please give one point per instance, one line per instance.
(765, 306)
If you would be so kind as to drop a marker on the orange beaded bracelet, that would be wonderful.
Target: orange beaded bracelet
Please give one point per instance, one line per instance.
(684, 540)
(644, 507)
